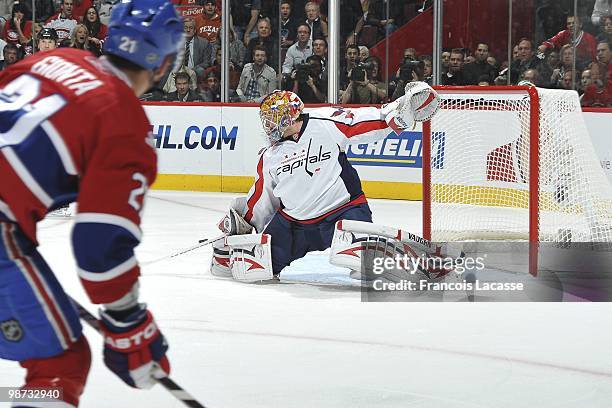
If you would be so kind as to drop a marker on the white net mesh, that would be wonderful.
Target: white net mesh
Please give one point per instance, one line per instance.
(480, 172)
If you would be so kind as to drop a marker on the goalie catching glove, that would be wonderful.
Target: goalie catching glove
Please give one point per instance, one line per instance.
(419, 104)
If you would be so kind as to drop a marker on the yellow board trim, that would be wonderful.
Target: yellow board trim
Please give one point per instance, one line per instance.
(241, 184)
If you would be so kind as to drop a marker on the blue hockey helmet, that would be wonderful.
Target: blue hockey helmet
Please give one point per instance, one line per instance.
(145, 32)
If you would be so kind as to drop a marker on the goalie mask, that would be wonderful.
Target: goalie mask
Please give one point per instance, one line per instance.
(278, 111)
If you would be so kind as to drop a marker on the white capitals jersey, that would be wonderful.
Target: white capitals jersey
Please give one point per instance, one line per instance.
(309, 178)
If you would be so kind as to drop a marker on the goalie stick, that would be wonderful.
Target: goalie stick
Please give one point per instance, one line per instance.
(201, 243)
(176, 390)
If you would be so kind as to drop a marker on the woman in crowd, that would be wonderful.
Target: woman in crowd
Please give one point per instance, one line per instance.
(97, 30)
(79, 39)
(18, 30)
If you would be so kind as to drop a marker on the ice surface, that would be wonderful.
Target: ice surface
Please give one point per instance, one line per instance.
(240, 345)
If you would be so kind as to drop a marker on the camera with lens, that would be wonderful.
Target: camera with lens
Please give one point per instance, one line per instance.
(358, 73)
(408, 67)
(302, 72)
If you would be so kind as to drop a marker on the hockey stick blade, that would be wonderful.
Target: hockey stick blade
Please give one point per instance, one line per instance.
(176, 390)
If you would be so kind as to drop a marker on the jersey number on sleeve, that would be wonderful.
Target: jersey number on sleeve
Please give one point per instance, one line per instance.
(16, 105)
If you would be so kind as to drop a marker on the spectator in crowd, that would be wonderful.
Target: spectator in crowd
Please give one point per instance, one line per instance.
(532, 76)
(585, 81)
(444, 61)
(411, 54)
(97, 30)
(606, 30)
(363, 52)
(264, 39)
(566, 64)
(525, 60)
(469, 59)
(298, 52)
(549, 17)
(258, 79)
(244, 15)
(234, 71)
(46, 40)
(547, 68)
(63, 22)
(427, 68)
(212, 91)
(585, 42)
(309, 83)
(209, 22)
(183, 92)
(18, 30)
(105, 11)
(604, 62)
(351, 58)
(79, 9)
(474, 70)
(319, 48)
(44, 9)
(601, 8)
(318, 27)
(30, 47)
(568, 80)
(237, 53)
(170, 86)
(408, 71)
(198, 51)
(351, 19)
(11, 55)
(360, 90)
(376, 13)
(288, 26)
(373, 69)
(492, 61)
(455, 75)
(78, 39)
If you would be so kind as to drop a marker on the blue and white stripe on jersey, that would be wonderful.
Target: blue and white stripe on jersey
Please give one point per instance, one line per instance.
(104, 245)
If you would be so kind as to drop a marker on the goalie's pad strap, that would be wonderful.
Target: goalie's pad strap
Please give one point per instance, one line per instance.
(250, 257)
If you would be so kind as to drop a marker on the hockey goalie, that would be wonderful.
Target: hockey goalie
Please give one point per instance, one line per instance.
(304, 186)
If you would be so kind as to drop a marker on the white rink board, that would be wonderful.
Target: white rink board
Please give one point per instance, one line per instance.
(225, 141)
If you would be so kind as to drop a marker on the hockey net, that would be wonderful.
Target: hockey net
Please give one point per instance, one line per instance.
(513, 163)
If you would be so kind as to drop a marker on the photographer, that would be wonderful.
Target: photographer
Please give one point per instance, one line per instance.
(360, 90)
(308, 81)
(408, 71)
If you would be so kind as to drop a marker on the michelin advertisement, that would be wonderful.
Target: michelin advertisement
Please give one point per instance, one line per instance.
(215, 148)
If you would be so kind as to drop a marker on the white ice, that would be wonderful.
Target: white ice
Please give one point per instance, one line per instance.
(240, 345)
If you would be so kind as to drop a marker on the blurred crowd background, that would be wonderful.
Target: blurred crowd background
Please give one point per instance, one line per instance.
(284, 44)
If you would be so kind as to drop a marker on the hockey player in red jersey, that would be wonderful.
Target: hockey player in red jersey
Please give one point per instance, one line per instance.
(72, 129)
(304, 182)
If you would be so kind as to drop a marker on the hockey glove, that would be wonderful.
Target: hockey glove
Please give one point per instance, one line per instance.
(134, 348)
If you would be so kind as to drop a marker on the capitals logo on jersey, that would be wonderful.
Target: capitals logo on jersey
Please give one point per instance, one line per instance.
(306, 160)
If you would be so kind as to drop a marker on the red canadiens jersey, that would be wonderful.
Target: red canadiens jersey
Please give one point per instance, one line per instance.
(71, 129)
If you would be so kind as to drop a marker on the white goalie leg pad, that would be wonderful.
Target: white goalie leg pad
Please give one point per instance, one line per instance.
(220, 262)
(352, 239)
(250, 257)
